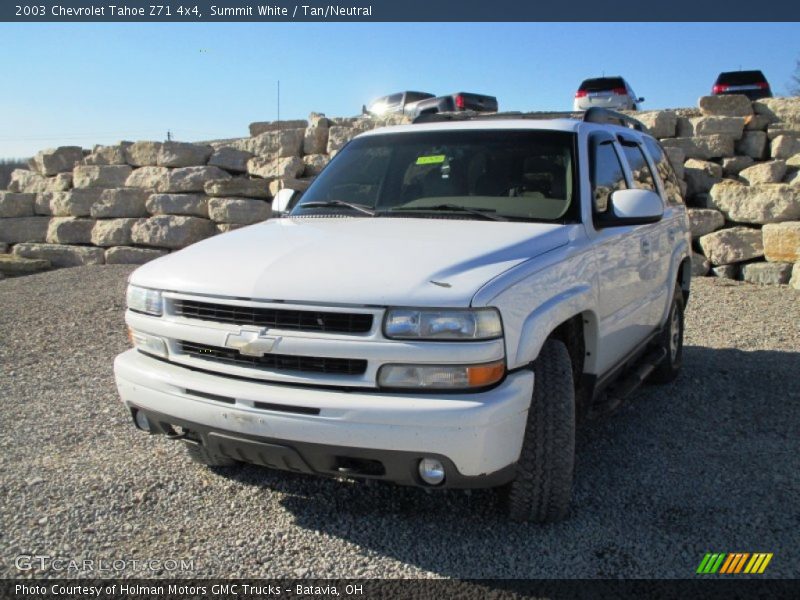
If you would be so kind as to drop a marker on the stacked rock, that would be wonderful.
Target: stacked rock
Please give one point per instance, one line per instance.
(738, 161)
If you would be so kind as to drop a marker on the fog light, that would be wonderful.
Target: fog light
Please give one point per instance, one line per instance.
(431, 471)
(141, 420)
(150, 344)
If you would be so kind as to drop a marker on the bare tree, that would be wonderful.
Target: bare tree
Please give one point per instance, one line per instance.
(794, 86)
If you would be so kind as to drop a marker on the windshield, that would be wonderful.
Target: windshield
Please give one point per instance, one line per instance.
(508, 174)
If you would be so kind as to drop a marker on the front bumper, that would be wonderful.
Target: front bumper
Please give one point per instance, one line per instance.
(478, 436)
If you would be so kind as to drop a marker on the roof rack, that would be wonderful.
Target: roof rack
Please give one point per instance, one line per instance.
(469, 115)
(593, 115)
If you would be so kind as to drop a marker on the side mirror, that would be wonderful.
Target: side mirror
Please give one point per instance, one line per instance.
(640, 99)
(282, 202)
(634, 207)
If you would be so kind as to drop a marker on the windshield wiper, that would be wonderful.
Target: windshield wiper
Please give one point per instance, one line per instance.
(485, 213)
(328, 203)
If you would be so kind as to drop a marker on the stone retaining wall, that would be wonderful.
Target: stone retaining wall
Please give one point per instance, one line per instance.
(739, 162)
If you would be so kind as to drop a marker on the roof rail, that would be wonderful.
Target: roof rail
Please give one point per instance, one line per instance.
(592, 115)
(597, 114)
(533, 116)
(438, 117)
(474, 115)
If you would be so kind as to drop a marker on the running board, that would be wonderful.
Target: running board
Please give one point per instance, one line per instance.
(614, 396)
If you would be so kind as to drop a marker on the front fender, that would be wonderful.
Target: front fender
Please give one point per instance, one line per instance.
(538, 326)
(538, 296)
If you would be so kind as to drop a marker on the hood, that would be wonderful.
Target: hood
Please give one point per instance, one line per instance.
(357, 261)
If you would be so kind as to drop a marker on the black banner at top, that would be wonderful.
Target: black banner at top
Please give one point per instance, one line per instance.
(194, 11)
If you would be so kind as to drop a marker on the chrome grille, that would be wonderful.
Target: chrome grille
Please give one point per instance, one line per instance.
(275, 362)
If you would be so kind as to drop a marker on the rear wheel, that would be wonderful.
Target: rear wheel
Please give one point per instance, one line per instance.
(543, 487)
(200, 454)
(671, 340)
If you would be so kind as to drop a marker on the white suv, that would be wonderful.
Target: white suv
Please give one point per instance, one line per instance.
(439, 309)
(606, 92)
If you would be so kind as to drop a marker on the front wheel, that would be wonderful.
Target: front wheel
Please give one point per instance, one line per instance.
(543, 487)
(671, 340)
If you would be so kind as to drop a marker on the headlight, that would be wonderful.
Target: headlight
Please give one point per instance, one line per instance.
(145, 301)
(443, 324)
(441, 376)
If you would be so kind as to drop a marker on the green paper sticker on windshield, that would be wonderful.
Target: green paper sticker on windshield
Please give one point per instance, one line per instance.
(431, 160)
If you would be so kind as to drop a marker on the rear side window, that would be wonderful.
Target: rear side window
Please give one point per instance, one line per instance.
(607, 175)
(642, 175)
(415, 96)
(669, 181)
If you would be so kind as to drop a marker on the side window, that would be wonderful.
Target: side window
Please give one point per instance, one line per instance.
(415, 96)
(672, 188)
(642, 175)
(607, 175)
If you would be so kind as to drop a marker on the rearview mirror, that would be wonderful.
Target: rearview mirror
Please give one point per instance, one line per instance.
(634, 207)
(282, 202)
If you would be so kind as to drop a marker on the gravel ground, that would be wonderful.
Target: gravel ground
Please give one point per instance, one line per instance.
(708, 463)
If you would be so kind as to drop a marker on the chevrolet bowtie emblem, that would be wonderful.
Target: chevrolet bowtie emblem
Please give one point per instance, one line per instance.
(251, 343)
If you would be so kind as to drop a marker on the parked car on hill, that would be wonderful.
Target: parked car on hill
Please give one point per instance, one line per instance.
(460, 101)
(413, 104)
(606, 92)
(752, 84)
(399, 103)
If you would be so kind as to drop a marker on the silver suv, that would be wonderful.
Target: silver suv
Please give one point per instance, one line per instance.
(606, 92)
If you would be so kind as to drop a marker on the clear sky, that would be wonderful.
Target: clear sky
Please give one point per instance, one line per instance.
(81, 84)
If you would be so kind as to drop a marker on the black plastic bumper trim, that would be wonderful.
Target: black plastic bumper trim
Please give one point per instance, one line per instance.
(399, 466)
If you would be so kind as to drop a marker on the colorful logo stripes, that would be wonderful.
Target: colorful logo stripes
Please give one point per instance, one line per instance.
(734, 562)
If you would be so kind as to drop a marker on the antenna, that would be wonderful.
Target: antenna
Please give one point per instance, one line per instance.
(279, 99)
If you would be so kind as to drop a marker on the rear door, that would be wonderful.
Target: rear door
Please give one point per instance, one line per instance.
(411, 100)
(658, 238)
(674, 224)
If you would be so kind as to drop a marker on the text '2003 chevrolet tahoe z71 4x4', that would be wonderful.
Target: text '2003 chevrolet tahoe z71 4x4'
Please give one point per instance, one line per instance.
(439, 309)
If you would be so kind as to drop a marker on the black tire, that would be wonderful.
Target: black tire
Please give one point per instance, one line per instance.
(200, 454)
(671, 340)
(542, 489)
